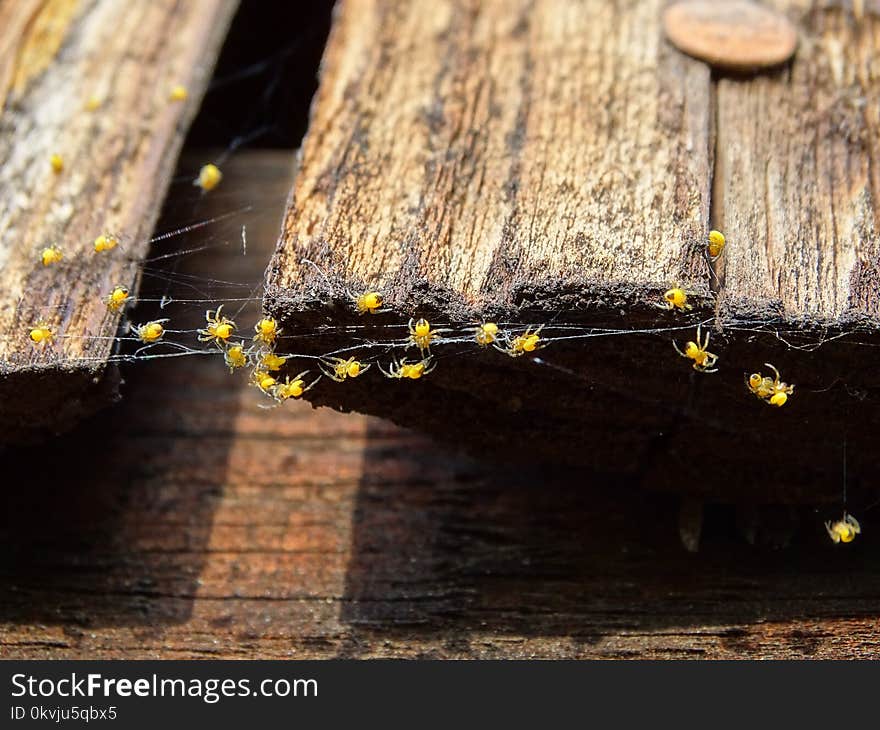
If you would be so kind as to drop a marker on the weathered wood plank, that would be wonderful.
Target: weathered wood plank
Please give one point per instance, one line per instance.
(554, 168)
(797, 175)
(467, 155)
(117, 162)
(217, 528)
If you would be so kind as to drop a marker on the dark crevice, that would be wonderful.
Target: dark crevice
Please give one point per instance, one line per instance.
(716, 197)
(265, 77)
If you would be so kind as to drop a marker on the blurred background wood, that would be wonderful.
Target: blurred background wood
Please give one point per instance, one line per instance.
(216, 528)
(58, 59)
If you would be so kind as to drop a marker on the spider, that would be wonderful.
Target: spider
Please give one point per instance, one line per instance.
(675, 298)
(267, 330)
(770, 390)
(369, 301)
(178, 93)
(528, 341)
(117, 298)
(41, 334)
(486, 333)
(716, 244)
(844, 529)
(235, 356)
(272, 362)
(105, 242)
(292, 388)
(209, 177)
(411, 370)
(263, 381)
(149, 332)
(51, 255)
(219, 328)
(421, 334)
(339, 369)
(704, 361)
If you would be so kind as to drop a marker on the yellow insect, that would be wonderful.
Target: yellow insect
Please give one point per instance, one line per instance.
(93, 103)
(486, 333)
(704, 361)
(105, 242)
(149, 332)
(57, 163)
(409, 370)
(771, 390)
(292, 388)
(421, 334)
(117, 298)
(178, 93)
(369, 301)
(51, 255)
(272, 362)
(716, 244)
(267, 331)
(339, 369)
(219, 328)
(41, 334)
(675, 298)
(528, 341)
(844, 529)
(235, 356)
(209, 177)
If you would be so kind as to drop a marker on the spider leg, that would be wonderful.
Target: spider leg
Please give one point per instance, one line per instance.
(392, 372)
(775, 371)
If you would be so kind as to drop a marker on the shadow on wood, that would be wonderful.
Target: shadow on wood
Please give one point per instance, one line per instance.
(108, 525)
(455, 558)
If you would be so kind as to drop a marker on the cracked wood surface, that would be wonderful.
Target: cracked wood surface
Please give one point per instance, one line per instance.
(214, 528)
(118, 160)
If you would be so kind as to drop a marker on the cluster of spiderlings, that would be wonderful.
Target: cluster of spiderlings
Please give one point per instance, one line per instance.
(772, 391)
(260, 355)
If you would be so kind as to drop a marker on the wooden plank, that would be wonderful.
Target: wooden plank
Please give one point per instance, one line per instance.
(117, 164)
(797, 176)
(467, 156)
(215, 528)
(553, 167)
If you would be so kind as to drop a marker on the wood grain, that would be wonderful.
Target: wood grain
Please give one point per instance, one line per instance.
(215, 528)
(466, 155)
(797, 176)
(558, 164)
(118, 160)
